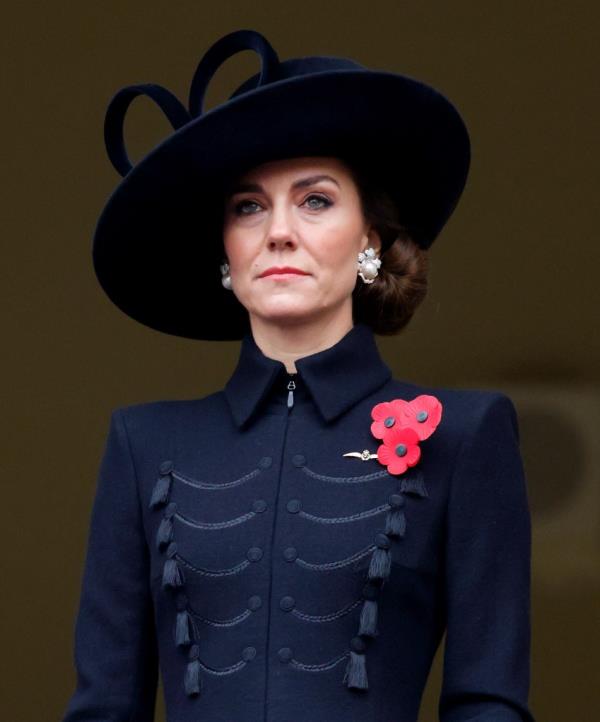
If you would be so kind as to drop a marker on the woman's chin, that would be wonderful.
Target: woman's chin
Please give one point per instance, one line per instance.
(282, 313)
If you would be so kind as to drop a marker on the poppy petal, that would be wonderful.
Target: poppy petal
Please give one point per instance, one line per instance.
(380, 411)
(397, 465)
(384, 454)
(378, 429)
(413, 455)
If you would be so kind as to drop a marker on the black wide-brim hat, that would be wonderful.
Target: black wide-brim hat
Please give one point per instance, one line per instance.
(158, 246)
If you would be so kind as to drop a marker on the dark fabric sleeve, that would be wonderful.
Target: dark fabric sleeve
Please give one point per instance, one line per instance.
(115, 643)
(488, 554)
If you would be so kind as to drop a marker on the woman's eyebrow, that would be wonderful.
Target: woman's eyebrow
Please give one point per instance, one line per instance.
(301, 183)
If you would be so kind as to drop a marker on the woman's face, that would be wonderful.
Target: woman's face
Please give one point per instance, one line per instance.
(303, 213)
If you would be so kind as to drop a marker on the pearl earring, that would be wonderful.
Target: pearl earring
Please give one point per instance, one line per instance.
(368, 265)
(225, 276)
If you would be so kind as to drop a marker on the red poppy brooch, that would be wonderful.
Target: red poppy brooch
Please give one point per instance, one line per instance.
(401, 425)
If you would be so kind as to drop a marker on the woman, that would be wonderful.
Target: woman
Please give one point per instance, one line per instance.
(295, 545)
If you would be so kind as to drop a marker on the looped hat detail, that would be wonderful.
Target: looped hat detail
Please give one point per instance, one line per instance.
(163, 223)
(220, 52)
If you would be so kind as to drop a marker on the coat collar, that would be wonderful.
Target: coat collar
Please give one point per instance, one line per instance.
(336, 378)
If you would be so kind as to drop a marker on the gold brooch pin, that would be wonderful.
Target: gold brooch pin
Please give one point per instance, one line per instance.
(365, 455)
(401, 425)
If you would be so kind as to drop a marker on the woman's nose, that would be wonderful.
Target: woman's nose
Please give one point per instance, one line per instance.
(281, 229)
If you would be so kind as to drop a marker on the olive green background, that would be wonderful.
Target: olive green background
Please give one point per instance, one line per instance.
(513, 301)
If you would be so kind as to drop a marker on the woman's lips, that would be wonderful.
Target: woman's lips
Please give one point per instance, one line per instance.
(283, 273)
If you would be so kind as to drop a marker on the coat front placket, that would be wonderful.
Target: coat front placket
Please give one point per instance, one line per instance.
(320, 545)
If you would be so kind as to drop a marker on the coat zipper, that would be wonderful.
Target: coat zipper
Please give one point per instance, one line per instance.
(291, 386)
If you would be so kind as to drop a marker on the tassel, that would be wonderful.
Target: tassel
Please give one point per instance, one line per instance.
(161, 491)
(414, 485)
(355, 675)
(395, 524)
(369, 611)
(164, 535)
(356, 672)
(182, 634)
(368, 618)
(380, 565)
(172, 574)
(182, 627)
(193, 682)
(381, 560)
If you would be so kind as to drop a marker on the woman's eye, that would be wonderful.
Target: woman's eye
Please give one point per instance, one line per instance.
(322, 199)
(321, 202)
(241, 205)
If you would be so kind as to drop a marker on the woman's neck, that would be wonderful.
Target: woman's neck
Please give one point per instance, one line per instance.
(290, 341)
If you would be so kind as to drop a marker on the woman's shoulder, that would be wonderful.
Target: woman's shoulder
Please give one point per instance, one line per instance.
(464, 409)
(161, 412)
(470, 397)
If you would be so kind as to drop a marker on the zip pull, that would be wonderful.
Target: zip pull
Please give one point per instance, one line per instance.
(291, 386)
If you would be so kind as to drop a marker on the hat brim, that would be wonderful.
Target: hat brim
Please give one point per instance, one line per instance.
(157, 245)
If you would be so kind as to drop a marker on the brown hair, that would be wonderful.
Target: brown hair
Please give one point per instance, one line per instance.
(388, 304)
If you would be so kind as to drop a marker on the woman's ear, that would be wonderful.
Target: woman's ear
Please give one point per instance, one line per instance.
(373, 241)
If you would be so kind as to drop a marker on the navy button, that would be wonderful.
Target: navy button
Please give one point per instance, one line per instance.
(254, 554)
(265, 462)
(165, 467)
(259, 505)
(389, 421)
(422, 416)
(254, 602)
(298, 460)
(370, 591)
(396, 500)
(401, 450)
(287, 603)
(248, 653)
(285, 654)
(293, 506)
(290, 554)
(358, 644)
(382, 541)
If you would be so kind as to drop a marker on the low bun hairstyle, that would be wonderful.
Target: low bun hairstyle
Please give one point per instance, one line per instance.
(388, 304)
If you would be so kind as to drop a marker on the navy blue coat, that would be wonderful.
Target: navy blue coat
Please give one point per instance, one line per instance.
(272, 579)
